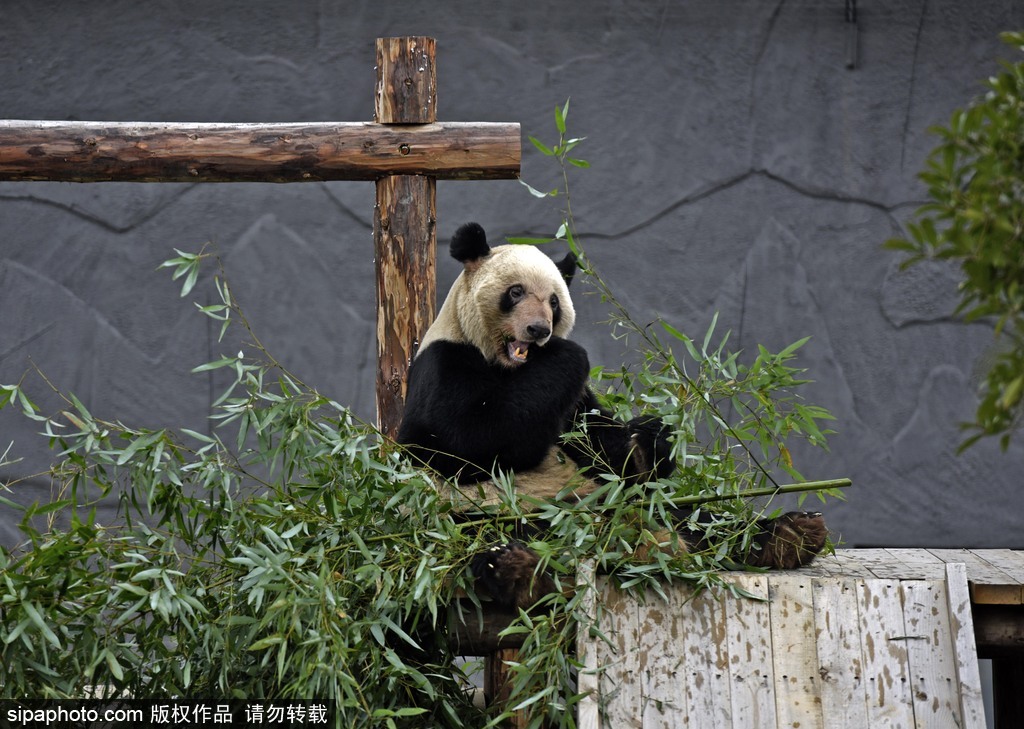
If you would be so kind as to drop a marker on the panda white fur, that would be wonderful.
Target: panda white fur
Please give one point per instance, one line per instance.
(496, 383)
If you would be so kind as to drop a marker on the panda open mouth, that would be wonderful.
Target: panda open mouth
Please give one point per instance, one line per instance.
(517, 350)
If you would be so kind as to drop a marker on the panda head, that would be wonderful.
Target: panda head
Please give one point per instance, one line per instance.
(508, 299)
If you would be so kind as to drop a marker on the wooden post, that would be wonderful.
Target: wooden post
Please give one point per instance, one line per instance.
(404, 226)
(498, 684)
(405, 241)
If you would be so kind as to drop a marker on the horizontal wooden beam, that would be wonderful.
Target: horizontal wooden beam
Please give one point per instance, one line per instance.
(474, 635)
(293, 152)
(999, 630)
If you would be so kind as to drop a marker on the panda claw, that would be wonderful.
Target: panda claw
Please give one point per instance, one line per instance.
(790, 541)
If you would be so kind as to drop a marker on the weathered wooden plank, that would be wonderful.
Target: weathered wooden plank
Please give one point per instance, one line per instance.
(794, 660)
(820, 652)
(845, 562)
(912, 564)
(888, 703)
(989, 585)
(840, 661)
(876, 562)
(719, 683)
(659, 660)
(748, 641)
(1009, 562)
(86, 151)
(588, 646)
(704, 659)
(617, 660)
(996, 575)
(930, 654)
(968, 677)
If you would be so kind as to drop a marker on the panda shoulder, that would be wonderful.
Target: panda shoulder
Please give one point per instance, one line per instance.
(446, 357)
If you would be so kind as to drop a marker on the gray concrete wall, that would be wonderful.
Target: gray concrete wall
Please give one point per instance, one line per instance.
(738, 166)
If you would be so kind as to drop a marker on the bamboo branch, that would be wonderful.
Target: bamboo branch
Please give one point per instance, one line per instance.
(789, 488)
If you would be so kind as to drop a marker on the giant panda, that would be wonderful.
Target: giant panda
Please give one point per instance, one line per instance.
(495, 384)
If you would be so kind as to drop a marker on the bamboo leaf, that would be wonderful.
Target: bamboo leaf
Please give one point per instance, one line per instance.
(543, 148)
(39, 622)
(115, 668)
(537, 193)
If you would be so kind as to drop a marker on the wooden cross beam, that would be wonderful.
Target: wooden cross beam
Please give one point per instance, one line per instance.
(292, 152)
(405, 150)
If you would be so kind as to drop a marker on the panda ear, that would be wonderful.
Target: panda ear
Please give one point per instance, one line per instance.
(469, 243)
(567, 267)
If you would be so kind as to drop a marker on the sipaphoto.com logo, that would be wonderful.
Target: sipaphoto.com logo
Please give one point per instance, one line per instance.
(162, 714)
(57, 714)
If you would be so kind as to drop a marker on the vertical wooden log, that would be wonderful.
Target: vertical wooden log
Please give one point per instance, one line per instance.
(405, 242)
(498, 684)
(406, 81)
(404, 226)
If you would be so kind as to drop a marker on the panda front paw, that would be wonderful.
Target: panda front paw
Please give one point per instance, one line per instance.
(508, 573)
(650, 449)
(790, 541)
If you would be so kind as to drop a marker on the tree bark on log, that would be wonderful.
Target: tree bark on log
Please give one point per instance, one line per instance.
(299, 152)
(405, 245)
(405, 224)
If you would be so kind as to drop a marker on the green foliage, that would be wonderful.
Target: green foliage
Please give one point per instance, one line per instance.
(730, 420)
(291, 552)
(975, 179)
(284, 562)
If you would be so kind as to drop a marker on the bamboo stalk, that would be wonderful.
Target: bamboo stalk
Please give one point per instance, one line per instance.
(789, 488)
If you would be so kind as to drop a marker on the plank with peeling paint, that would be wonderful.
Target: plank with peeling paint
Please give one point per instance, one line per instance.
(815, 651)
(930, 658)
(840, 659)
(704, 659)
(961, 624)
(749, 645)
(798, 702)
(990, 585)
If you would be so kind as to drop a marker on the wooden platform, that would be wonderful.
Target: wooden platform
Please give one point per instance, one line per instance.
(865, 638)
(995, 578)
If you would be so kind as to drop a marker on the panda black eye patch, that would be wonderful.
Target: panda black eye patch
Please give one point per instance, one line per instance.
(512, 296)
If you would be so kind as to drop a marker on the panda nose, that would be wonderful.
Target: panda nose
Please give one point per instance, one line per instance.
(538, 331)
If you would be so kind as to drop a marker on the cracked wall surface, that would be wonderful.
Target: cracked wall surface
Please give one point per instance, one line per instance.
(739, 166)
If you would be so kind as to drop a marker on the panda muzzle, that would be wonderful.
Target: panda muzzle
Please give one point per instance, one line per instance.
(536, 333)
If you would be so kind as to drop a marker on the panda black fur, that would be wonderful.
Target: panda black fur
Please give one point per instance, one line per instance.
(496, 383)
